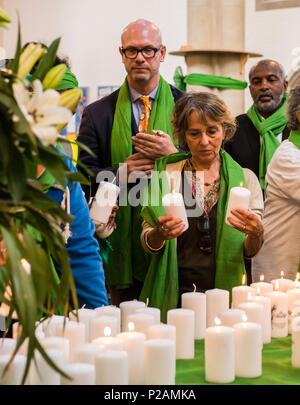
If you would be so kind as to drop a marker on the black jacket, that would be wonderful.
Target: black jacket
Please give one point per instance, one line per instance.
(244, 147)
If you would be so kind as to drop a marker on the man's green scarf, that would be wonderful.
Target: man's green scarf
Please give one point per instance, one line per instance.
(268, 129)
(161, 282)
(128, 257)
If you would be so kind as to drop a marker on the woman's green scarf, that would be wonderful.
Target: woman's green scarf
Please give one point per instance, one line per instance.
(128, 257)
(268, 129)
(161, 282)
(294, 137)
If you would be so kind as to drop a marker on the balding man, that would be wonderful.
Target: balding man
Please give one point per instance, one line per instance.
(120, 128)
(263, 127)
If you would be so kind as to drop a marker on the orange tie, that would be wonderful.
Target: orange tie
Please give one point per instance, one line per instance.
(144, 120)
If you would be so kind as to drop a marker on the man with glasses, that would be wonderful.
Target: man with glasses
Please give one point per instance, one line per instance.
(131, 126)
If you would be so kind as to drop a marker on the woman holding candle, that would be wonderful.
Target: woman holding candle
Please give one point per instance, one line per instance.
(281, 250)
(209, 253)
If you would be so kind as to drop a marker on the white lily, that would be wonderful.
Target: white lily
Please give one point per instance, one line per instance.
(41, 110)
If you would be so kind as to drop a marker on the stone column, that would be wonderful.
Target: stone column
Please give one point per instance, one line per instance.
(216, 37)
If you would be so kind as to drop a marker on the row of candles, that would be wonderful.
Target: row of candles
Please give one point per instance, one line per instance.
(129, 344)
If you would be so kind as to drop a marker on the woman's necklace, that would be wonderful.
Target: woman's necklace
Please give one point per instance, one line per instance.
(213, 182)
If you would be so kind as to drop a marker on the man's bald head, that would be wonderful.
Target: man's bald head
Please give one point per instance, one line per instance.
(139, 28)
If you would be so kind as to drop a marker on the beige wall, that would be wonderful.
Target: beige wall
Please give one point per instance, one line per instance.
(91, 29)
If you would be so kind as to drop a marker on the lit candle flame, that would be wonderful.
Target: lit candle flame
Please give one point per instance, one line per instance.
(241, 184)
(217, 321)
(258, 290)
(249, 296)
(281, 274)
(244, 279)
(298, 276)
(195, 288)
(107, 331)
(244, 318)
(26, 265)
(147, 302)
(130, 326)
(261, 277)
(276, 285)
(297, 283)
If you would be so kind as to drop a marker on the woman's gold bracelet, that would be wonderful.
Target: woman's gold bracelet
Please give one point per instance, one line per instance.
(150, 247)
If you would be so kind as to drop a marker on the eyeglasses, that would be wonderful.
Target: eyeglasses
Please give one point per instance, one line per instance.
(204, 230)
(147, 52)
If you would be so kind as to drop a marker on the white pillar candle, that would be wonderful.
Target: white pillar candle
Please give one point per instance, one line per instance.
(239, 197)
(248, 349)
(109, 342)
(133, 344)
(110, 310)
(295, 309)
(59, 343)
(75, 333)
(84, 315)
(162, 331)
(279, 313)
(261, 286)
(266, 325)
(282, 284)
(87, 353)
(242, 293)
(142, 322)
(105, 199)
(296, 342)
(196, 301)
(150, 311)
(41, 373)
(50, 324)
(184, 321)
(7, 345)
(219, 354)
(80, 374)
(230, 317)
(16, 370)
(216, 300)
(174, 205)
(293, 295)
(160, 362)
(254, 312)
(112, 368)
(127, 308)
(98, 324)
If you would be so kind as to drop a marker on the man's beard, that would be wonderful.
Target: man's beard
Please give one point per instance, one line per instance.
(271, 106)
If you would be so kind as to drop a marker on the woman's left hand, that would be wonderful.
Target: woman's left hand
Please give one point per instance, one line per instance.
(246, 222)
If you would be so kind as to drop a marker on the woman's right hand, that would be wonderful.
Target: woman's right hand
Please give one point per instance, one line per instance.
(169, 227)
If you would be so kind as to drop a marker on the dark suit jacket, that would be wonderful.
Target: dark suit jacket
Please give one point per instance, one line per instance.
(244, 147)
(95, 132)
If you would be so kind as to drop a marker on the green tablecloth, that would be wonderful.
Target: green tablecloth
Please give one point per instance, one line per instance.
(276, 366)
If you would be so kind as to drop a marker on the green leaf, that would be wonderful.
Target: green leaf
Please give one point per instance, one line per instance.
(18, 52)
(46, 61)
(16, 175)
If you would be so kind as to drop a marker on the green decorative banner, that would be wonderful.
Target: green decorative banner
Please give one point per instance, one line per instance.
(201, 79)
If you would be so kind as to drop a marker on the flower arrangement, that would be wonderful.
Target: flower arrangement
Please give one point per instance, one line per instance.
(31, 115)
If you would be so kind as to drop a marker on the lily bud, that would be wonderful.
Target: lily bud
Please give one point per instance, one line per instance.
(4, 18)
(28, 59)
(70, 98)
(54, 76)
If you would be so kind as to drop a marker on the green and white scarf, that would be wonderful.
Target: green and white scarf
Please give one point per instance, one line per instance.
(268, 128)
(161, 282)
(128, 258)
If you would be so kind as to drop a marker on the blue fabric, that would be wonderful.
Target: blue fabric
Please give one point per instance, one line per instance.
(83, 249)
